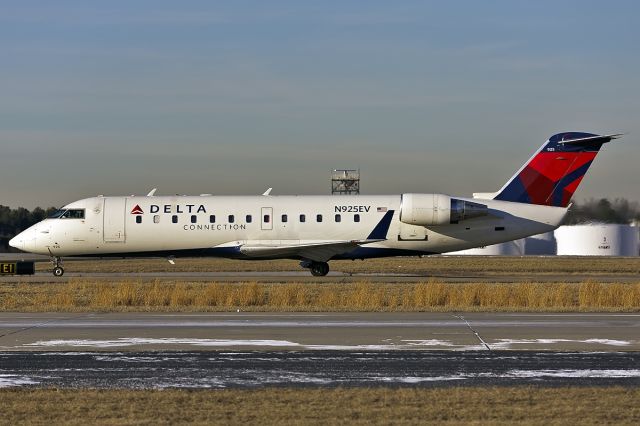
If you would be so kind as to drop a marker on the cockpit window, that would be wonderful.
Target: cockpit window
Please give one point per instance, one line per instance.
(68, 214)
(57, 214)
(73, 214)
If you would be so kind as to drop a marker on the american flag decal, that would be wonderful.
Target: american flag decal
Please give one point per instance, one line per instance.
(382, 209)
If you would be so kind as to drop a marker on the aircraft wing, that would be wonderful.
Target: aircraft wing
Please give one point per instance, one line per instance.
(318, 251)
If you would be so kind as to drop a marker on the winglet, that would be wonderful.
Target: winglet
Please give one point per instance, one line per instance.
(381, 229)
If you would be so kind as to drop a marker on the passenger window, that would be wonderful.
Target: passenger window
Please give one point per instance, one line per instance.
(303, 218)
(284, 218)
(267, 218)
(249, 218)
(212, 218)
(338, 218)
(174, 218)
(231, 218)
(194, 218)
(356, 218)
(156, 219)
(138, 219)
(318, 218)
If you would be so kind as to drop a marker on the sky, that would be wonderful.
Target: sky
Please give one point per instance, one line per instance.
(233, 97)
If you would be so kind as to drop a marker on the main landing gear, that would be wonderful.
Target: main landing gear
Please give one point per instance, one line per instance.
(318, 269)
(58, 270)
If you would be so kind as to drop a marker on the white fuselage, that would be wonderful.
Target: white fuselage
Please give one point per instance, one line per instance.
(223, 225)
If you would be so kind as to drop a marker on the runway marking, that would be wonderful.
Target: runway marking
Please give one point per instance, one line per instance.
(42, 324)
(473, 331)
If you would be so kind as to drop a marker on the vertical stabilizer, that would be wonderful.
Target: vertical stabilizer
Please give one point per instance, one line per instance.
(554, 172)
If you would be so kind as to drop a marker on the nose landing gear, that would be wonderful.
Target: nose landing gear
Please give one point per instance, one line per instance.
(58, 270)
(318, 269)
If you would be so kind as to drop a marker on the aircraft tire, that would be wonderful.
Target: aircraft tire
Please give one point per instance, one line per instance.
(58, 271)
(319, 269)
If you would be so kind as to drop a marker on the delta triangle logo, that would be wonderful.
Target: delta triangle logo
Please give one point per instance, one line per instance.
(137, 210)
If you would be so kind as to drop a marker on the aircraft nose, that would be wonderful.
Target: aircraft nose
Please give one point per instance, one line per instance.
(25, 241)
(17, 242)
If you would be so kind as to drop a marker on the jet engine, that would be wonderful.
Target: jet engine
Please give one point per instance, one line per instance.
(437, 209)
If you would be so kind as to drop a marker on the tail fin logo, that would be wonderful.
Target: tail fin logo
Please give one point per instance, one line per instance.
(554, 172)
(137, 210)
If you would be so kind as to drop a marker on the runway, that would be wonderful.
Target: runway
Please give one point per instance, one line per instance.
(157, 370)
(149, 350)
(319, 331)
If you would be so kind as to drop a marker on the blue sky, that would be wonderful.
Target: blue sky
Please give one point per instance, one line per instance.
(233, 97)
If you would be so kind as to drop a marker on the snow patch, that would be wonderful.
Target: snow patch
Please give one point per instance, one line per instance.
(569, 373)
(9, 380)
(609, 342)
(507, 343)
(139, 341)
(429, 342)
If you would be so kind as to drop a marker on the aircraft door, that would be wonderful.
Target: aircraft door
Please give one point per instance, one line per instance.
(266, 218)
(114, 217)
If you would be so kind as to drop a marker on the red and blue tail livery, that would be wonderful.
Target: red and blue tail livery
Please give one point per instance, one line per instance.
(554, 172)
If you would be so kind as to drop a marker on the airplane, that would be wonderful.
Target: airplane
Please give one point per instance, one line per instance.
(316, 229)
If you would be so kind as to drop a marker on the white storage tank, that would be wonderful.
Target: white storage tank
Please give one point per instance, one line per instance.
(510, 248)
(540, 245)
(597, 239)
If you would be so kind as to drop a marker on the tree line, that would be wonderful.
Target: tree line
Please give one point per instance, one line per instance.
(14, 221)
(602, 210)
(620, 210)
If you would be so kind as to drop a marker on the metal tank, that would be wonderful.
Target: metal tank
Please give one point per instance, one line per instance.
(597, 240)
(540, 245)
(510, 248)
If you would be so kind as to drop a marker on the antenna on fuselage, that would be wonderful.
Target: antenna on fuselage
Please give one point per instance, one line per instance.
(267, 192)
(152, 192)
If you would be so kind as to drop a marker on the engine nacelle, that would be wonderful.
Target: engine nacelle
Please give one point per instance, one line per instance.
(437, 209)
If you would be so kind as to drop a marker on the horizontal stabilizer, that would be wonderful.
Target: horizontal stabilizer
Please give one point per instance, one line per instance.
(591, 139)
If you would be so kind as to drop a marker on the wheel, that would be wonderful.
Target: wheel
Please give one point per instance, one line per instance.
(58, 271)
(325, 268)
(319, 269)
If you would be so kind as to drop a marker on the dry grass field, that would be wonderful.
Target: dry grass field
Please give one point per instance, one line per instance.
(85, 295)
(377, 406)
(122, 294)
